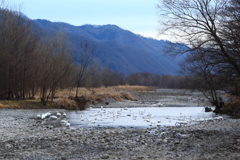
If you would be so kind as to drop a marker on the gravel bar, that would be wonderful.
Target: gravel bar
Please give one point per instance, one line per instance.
(23, 136)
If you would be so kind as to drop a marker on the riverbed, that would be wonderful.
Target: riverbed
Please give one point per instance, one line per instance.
(24, 135)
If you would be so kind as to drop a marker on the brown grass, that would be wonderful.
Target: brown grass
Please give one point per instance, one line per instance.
(65, 103)
(232, 107)
(114, 92)
(90, 96)
(9, 104)
(22, 104)
(123, 89)
(95, 95)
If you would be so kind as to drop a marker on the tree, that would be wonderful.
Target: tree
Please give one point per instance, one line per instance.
(94, 75)
(55, 63)
(210, 29)
(17, 44)
(201, 69)
(84, 56)
(199, 24)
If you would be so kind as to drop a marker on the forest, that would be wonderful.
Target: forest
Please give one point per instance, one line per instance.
(37, 62)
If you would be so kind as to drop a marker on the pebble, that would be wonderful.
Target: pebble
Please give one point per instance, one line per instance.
(30, 139)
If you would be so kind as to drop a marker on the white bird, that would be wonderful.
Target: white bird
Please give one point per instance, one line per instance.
(153, 122)
(147, 120)
(68, 125)
(64, 121)
(58, 114)
(53, 117)
(209, 119)
(64, 114)
(91, 121)
(81, 117)
(92, 115)
(134, 117)
(129, 114)
(218, 118)
(140, 112)
(168, 117)
(46, 115)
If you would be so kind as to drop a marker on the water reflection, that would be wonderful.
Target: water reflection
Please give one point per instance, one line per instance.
(136, 117)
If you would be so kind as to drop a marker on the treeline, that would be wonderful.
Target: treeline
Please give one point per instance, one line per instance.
(161, 81)
(106, 77)
(30, 63)
(38, 62)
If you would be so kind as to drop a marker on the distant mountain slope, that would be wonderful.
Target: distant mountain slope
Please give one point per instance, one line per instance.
(121, 50)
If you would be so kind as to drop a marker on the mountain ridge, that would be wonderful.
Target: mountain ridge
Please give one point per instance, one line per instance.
(121, 50)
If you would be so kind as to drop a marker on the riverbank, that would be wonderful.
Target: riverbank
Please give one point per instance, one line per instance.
(126, 96)
(22, 137)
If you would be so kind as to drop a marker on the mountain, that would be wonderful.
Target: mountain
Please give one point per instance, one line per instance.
(121, 50)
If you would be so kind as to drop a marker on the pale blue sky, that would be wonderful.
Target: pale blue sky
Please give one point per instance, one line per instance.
(138, 16)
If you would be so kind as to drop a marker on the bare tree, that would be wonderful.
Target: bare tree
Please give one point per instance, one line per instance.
(94, 76)
(199, 24)
(202, 69)
(54, 64)
(210, 29)
(17, 43)
(84, 56)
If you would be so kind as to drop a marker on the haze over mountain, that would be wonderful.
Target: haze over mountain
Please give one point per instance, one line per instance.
(120, 49)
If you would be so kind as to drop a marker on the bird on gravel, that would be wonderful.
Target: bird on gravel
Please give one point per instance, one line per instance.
(68, 125)
(53, 117)
(58, 114)
(43, 116)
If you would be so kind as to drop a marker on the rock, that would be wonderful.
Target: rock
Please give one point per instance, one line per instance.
(105, 157)
(165, 141)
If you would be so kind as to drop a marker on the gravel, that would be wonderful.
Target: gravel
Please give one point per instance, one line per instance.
(160, 98)
(23, 135)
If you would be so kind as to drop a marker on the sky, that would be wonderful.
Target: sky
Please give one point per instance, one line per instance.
(137, 16)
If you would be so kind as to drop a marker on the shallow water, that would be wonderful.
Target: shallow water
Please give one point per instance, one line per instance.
(142, 117)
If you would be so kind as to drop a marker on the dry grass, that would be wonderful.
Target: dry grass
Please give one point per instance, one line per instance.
(232, 107)
(65, 103)
(96, 93)
(9, 104)
(123, 89)
(21, 104)
(89, 96)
